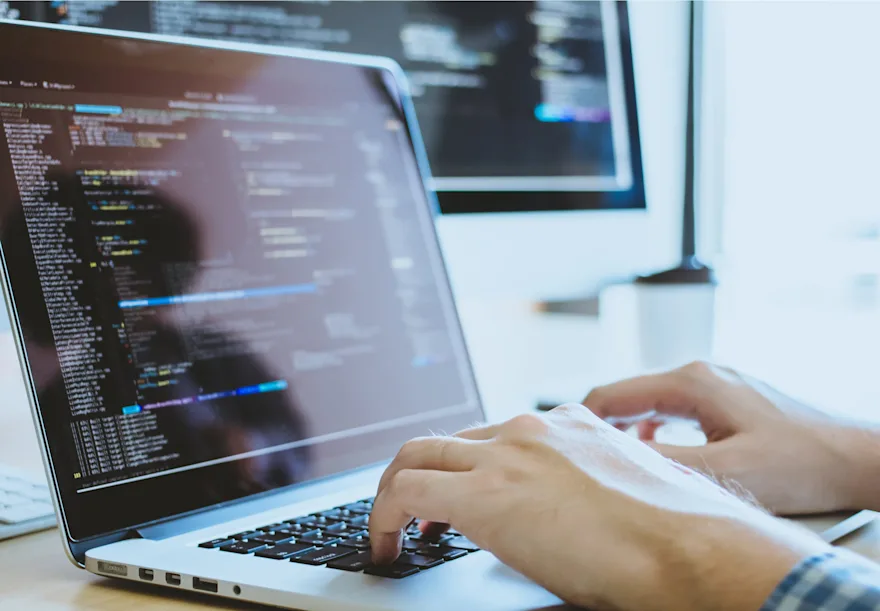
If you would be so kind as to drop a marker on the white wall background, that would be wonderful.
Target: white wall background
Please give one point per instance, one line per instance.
(800, 210)
(802, 129)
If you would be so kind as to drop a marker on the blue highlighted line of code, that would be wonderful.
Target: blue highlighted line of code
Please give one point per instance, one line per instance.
(98, 110)
(271, 291)
(274, 386)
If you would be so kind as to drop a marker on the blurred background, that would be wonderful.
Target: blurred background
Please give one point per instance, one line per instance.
(785, 153)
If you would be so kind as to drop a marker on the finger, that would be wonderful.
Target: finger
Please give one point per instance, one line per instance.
(635, 397)
(676, 394)
(412, 493)
(474, 433)
(433, 529)
(433, 453)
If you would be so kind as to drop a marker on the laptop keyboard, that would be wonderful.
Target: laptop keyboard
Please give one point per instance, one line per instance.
(338, 539)
(25, 505)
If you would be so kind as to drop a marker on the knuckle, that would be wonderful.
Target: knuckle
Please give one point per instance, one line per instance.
(697, 370)
(569, 409)
(526, 425)
(410, 449)
(574, 415)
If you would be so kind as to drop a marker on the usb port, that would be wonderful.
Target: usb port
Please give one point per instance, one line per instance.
(172, 579)
(204, 585)
(146, 574)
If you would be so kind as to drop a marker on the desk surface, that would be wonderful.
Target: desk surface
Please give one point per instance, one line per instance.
(36, 575)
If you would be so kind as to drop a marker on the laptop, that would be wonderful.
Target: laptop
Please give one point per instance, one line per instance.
(231, 310)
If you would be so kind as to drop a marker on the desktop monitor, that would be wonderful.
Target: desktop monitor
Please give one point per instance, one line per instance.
(528, 111)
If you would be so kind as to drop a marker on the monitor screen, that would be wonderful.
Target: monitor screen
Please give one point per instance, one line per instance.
(522, 105)
(224, 269)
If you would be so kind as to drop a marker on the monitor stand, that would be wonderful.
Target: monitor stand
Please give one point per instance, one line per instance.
(689, 272)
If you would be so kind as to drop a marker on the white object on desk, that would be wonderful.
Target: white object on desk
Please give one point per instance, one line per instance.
(654, 327)
(25, 505)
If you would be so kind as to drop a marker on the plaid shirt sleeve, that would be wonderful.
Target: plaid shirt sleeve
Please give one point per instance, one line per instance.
(828, 582)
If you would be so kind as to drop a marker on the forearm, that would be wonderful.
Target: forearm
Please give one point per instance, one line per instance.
(862, 468)
(736, 563)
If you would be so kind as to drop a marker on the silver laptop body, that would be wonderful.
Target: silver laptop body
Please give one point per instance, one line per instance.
(231, 310)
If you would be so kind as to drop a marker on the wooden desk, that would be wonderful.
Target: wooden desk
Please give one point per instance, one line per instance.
(36, 575)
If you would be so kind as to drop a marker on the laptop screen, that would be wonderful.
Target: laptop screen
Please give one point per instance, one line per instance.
(223, 267)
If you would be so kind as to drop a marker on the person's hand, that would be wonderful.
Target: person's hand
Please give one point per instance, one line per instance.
(792, 458)
(590, 513)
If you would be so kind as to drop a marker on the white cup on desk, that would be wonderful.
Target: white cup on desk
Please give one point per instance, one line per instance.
(657, 326)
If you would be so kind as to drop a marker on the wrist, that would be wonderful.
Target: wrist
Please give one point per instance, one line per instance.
(860, 469)
(734, 563)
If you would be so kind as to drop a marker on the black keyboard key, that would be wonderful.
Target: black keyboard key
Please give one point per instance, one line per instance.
(295, 529)
(344, 531)
(440, 551)
(430, 538)
(274, 538)
(411, 545)
(338, 528)
(319, 538)
(215, 543)
(322, 555)
(273, 527)
(419, 561)
(318, 522)
(359, 507)
(285, 551)
(361, 541)
(461, 543)
(339, 513)
(244, 547)
(359, 520)
(352, 562)
(248, 534)
(394, 570)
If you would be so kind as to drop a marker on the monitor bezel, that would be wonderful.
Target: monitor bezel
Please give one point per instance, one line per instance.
(480, 202)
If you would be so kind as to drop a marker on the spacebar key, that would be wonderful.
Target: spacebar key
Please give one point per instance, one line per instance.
(394, 571)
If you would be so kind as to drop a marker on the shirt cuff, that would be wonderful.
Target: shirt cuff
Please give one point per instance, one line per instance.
(833, 581)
